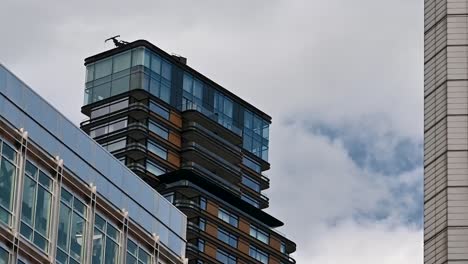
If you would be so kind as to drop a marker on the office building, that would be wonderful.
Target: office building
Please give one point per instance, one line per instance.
(65, 199)
(201, 146)
(446, 131)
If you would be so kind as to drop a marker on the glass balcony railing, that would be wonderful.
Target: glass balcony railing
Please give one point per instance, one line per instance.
(213, 116)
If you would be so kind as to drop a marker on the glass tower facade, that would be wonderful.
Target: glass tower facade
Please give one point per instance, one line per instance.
(201, 146)
(66, 199)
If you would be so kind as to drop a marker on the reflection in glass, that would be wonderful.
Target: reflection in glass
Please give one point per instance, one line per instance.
(7, 182)
(106, 241)
(71, 229)
(36, 206)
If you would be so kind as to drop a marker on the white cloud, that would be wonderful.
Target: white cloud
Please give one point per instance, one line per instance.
(352, 243)
(334, 61)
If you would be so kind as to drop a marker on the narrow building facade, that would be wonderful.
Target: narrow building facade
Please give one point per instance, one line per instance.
(446, 131)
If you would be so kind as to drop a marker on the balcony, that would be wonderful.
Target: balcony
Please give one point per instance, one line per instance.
(193, 131)
(209, 120)
(194, 152)
(212, 177)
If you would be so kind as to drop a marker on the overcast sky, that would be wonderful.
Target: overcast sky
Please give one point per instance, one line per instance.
(343, 81)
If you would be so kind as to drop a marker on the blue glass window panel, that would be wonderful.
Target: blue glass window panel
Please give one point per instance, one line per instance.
(165, 93)
(156, 64)
(69, 134)
(48, 117)
(164, 211)
(85, 146)
(251, 183)
(89, 73)
(102, 160)
(163, 234)
(145, 220)
(2, 103)
(121, 61)
(176, 221)
(137, 57)
(3, 74)
(103, 68)
(116, 174)
(115, 194)
(120, 85)
(175, 243)
(188, 82)
(14, 88)
(133, 207)
(166, 70)
(101, 92)
(147, 59)
(248, 119)
(12, 114)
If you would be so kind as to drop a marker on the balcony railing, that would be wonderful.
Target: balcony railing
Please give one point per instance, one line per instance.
(211, 176)
(213, 116)
(213, 135)
(236, 170)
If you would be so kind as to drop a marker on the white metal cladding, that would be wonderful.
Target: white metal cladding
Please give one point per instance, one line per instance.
(446, 131)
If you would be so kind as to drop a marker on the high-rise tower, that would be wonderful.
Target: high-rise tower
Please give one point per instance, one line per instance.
(198, 144)
(446, 131)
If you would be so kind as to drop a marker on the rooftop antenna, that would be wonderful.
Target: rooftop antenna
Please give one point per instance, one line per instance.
(117, 43)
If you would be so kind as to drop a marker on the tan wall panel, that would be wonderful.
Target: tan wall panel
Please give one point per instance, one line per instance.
(212, 208)
(244, 226)
(275, 243)
(175, 139)
(176, 119)
(210, 250)
(243, 246)
(174, 159)
(212, 230)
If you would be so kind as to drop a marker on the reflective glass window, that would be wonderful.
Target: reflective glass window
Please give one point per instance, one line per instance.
(250, 200)
(283, 247)
(102, 68)
(201, 245)
(7, 181)
(227, 237)
(258, 254)
(4, 256)
(159, 130)
(166, 70)
(251, 164)
(203, 203)
(157, 149)
(71, 236)
(225, 258)
(89, 73)
(121, 61)
(228, 217)
(160, 110)
(154, 169)
(259, 234)
(202, 224)
(137, 57)
(106, 242)
(251, 183)
(136, 254)
(36, 206)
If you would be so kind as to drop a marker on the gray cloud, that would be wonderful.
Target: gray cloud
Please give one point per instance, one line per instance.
(318, 62)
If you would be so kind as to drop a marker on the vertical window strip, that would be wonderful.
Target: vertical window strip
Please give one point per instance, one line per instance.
(71, 236)
(8, 181)
(36, 206)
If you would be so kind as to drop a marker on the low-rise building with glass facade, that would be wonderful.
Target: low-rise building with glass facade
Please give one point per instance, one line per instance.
(66, 199)
(198, 144)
